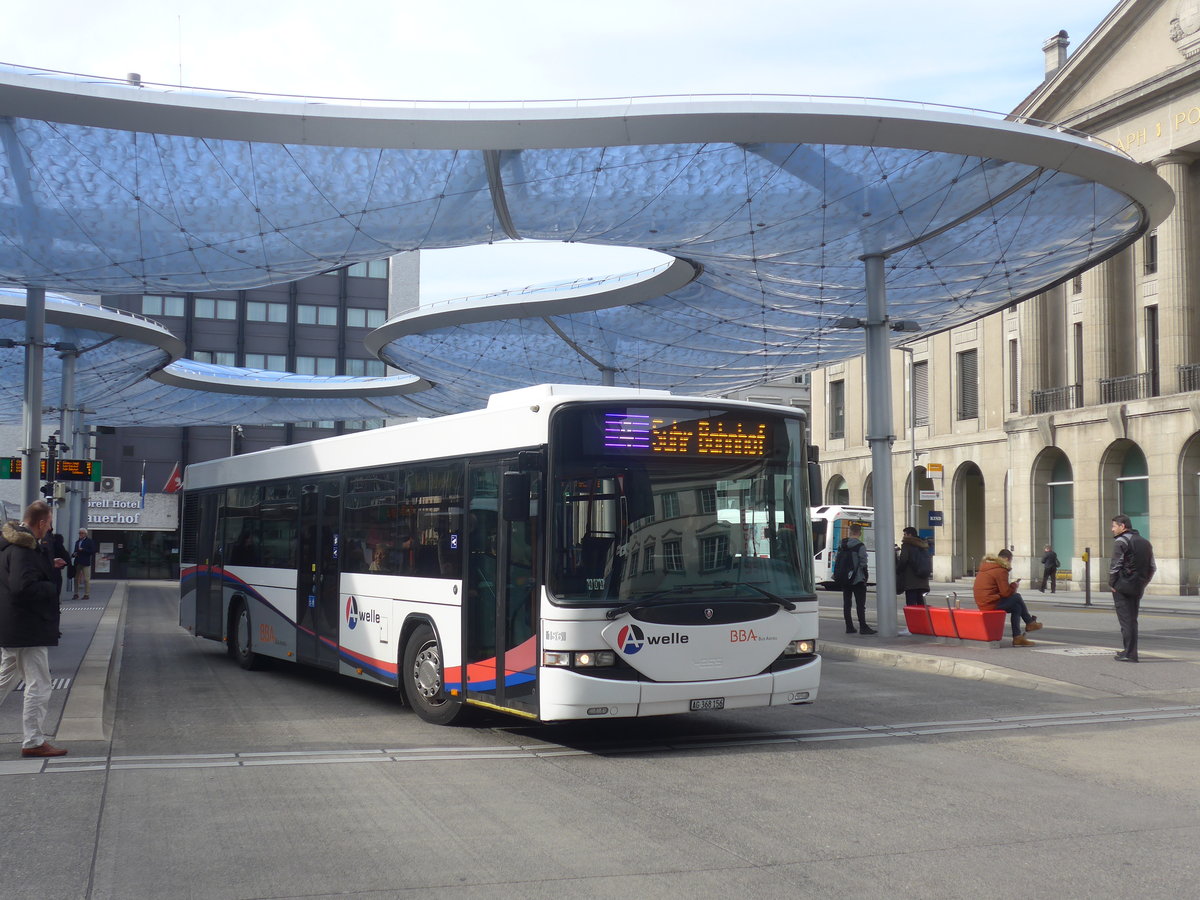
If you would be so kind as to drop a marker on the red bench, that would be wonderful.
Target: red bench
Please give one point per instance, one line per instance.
(965, 624)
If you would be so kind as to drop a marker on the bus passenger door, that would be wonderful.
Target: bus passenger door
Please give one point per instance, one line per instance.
(317, 572)
(499, 579)
(209, 599)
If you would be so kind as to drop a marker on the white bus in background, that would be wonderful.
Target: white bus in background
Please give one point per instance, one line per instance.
(830, 525)
(566, 553)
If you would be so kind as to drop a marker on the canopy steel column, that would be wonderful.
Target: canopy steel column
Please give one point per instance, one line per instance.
(65, 523)
(31, 406)
(880, 438)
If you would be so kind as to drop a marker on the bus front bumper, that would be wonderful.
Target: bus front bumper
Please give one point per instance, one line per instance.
(568, 695)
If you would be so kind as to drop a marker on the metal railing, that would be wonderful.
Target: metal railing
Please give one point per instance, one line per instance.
(1189, 377)
(1068, 396)
(1124, 388)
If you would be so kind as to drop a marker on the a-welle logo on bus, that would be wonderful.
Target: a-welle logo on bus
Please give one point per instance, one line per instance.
(630, 639)
(351, 612)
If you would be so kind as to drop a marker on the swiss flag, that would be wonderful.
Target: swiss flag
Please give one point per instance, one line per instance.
(174, 481)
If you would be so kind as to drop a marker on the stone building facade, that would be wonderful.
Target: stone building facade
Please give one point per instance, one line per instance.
(1037, 424)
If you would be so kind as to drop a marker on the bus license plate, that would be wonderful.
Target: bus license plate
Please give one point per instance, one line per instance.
(708, 703)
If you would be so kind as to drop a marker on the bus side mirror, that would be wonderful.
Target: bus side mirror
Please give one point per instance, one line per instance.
(515, 496)
(814, 483)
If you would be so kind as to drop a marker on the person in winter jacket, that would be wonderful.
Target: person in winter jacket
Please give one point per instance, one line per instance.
(29, 615)
(914, 585)
(993, 590)
(856, 586)
(1129, 571)
(82, 557)
(1050, 566)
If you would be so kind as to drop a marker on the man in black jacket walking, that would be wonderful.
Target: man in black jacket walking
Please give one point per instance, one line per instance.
(29, 618)
(1050, 566)
(1129, 571)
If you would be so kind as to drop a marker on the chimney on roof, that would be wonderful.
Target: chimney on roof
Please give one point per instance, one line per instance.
(1055, 49)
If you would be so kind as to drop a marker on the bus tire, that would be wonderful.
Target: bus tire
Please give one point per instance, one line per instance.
(241, 644)
(422, 676)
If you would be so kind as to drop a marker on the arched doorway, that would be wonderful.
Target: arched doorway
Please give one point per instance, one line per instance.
(1053, 505)
(1125, 485)
(970, 515)
(869, 490)
(837, 492)
(1189, 515)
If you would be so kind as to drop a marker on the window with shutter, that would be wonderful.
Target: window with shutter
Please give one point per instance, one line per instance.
(920, 393)
(968, 385)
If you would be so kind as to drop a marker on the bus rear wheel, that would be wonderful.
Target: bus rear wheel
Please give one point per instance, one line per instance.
(424, 684)
(240, 643)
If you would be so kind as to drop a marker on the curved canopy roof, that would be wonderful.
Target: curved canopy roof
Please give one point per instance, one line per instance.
(768, 204)
(127, 372)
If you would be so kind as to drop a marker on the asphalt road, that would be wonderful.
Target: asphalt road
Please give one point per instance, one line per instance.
(289, 783)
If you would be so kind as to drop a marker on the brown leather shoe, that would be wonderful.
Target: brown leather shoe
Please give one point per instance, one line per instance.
(1021, 641)
(1033, 625)
(45, 748)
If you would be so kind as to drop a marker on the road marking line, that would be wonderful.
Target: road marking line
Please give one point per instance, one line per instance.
(256, 759)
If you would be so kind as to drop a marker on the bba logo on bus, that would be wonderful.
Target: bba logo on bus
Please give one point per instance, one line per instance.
(630, 639)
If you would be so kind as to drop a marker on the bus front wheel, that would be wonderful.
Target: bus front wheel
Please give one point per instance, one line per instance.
(423, 679)
(240, 643)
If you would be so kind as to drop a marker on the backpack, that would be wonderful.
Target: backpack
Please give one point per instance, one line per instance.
(843, 566)
(922, 564)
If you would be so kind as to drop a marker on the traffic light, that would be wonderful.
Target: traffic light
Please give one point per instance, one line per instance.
(48, 490)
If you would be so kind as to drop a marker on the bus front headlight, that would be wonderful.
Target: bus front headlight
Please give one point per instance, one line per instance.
(805, 647)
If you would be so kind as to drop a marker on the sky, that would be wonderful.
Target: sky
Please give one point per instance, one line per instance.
(983, 56)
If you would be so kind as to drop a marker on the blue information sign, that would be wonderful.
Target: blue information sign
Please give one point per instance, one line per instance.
(936, 519)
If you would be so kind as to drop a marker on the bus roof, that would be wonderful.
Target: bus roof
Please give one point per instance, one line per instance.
(512, 420)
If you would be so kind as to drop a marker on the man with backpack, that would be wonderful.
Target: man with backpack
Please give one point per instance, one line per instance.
(850, 574)
(914, 565)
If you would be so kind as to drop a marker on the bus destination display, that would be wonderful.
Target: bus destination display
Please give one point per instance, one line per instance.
(684, 434)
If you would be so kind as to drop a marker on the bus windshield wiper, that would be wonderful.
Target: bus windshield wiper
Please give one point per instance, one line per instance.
(654, 596)
(774, 598)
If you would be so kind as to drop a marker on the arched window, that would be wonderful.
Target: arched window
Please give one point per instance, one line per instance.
(838, 492)
(1133, 490)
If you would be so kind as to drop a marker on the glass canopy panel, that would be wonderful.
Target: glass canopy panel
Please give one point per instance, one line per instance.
(775, 203)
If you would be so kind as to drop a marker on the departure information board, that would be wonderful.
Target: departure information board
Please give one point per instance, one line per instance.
(683, 434)
(65, 469)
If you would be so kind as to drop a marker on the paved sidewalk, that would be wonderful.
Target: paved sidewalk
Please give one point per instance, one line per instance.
(1075, 659)
(84, 667)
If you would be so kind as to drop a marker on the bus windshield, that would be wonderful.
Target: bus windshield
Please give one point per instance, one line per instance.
(700, 502)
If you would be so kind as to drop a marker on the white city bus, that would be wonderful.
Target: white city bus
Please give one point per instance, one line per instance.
(830, 525)
(566, 553)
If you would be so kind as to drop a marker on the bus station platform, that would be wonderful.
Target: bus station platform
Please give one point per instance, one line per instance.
(1072, 654)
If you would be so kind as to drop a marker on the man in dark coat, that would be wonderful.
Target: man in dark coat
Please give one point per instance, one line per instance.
(910, 577)
(1050, 566)
(29, 616)
(82, 556)
(855, 585)
(1129, 571)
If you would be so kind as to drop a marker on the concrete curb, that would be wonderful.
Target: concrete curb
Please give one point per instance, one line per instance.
(958, 668)
(89, 711)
